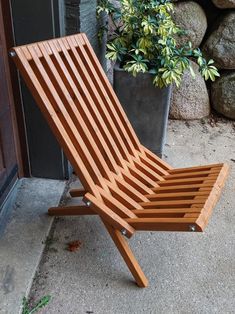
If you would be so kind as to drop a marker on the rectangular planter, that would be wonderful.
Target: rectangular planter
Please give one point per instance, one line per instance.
(146, 106)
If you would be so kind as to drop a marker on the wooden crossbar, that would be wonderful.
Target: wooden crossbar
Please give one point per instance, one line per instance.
(124, 183)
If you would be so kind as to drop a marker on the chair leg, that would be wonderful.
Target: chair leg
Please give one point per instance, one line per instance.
(127, 255)
(70, 211)
(80, 192)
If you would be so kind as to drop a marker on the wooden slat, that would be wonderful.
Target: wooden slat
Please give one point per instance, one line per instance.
(221, 179)
(72, 110)
(188, 181)
(123, 198)
(113, 120)
(77, 192)
(71, 211)
(147, 170)
(135, 182)
(153, 165)
(109, 216)
(152, 212)
(181, 188)
(170, 203)
(191, 215)
(192, 174)
(195, 168)
(158, 161)
(141, 176)
(81, 99)
(129, 132)
(176, 195)
(163, 224)
(47, 109)
(129, 189)
(116, 203)
(128, 256)
(66, 119)
(214, 197)
(82, 77)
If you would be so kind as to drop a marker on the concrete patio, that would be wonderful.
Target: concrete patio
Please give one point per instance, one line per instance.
(187, 272)
(23, 238)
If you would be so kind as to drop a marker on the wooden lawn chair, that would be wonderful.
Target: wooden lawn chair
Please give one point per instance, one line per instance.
(128, 186)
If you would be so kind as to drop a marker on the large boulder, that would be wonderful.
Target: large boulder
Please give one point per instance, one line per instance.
(190, 17)
(191, 100)
(223, 95)
(221, 43)
(224, 4)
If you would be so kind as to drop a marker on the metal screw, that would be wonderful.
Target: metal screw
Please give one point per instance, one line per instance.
(192, 228)
(88, 203)
(12, 53)
(124, 232)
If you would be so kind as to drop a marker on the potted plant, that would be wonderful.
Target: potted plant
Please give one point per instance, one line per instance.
(142, 42)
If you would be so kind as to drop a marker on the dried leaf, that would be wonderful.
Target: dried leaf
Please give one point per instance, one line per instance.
(74, 246)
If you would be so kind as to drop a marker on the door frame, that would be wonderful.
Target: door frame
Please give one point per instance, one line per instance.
(13, 90)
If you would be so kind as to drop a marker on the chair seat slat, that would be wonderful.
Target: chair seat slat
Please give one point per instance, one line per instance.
(192, 174)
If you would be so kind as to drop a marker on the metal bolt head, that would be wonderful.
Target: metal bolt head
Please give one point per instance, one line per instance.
(192, 228)
(88, 203)
(124, 232)
(12, 53)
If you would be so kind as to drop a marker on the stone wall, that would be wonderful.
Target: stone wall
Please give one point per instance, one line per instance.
(211, 26)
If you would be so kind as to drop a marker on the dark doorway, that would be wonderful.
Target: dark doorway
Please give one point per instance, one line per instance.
(34, 21)
(8, 159)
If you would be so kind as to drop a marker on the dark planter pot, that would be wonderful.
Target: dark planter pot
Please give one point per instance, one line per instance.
(146, 106)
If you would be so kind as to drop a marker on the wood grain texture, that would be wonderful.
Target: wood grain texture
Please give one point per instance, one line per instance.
(128, 186)
(128, 256)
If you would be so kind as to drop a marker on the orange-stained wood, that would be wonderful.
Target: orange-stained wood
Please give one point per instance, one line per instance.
(164, 224)
(127, 255)
(71, 211)
(128, 186)
(80, 192)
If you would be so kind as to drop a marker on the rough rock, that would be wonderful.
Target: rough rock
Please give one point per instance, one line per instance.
(116, 3)
(190, 16)
(223, 95)
(224, 4)
(191, 100)
(220, 45)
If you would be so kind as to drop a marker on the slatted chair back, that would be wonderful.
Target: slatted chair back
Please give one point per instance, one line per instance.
(72, 90)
